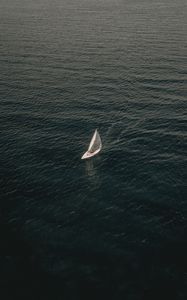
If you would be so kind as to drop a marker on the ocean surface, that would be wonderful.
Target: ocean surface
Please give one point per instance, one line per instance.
(115, 226)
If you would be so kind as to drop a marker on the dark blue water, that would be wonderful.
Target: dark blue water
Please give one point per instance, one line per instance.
(115, 226)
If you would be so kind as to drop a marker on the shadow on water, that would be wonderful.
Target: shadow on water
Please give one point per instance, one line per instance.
(90, 169)
(92, 172)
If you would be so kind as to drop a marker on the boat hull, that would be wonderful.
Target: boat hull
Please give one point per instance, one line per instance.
(88, 154)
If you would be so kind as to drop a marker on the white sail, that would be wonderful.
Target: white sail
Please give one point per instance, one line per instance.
(95, 143)
(94, 146)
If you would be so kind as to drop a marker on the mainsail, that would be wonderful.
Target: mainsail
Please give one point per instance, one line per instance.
(94, 147)
(95, 143)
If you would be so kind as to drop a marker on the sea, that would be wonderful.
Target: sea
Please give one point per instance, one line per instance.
(114, 226)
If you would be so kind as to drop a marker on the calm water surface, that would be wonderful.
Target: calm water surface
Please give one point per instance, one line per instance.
(114, 226)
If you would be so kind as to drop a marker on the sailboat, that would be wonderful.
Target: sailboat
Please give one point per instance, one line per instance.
(94, 146)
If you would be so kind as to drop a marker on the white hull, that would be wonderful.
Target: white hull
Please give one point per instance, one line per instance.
(88, 154)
